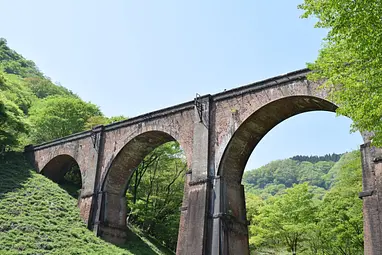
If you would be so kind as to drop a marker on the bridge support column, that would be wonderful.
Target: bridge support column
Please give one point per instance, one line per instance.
(112, 225)
(229, 223)
(193, 231)
(183, 224)
(97, 138)
(372, 197)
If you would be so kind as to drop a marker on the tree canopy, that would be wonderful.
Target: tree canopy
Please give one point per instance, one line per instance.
(351, 60)
(33, 109)
(59, 116)
(306, 218)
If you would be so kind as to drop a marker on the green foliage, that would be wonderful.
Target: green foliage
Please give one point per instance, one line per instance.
(156, 191)
(308, 217)
(351, 60)
(13, 63)
(43, 87)
(15, 89)
(58, 116)
(314, 159)
(12, 123)
(340, 213)
(27, 97)
(117, 118)
(285, 220)
(102, 120)
(280, 174)
(94, 121)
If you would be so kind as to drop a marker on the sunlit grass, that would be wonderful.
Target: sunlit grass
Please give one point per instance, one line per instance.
(39, 217)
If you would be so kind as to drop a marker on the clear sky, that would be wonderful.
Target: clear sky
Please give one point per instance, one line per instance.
(133, 57)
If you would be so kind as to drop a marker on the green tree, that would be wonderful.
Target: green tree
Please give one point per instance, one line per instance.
(114, 119)
(253, 204)
(13, 63)
(94, 121)
(351, 60)
(58, 116)
(102, 120)
(12, 124)
(155, 193)
(43, 87)
(14, 89)
(340, 228)
(12, 121)
(285, 220)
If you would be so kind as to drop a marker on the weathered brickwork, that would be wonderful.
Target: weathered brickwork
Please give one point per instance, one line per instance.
(218, 134)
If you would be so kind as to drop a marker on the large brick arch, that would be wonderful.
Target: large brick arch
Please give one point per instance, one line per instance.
(117, 177)
(257, 125)
(238, 150)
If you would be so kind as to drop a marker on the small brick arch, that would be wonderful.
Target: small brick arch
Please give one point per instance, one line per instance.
(58, 166)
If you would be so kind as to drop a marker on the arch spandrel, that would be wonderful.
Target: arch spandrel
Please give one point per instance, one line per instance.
(82, 151)
(129, 157)
(179, 126)
(240, 130)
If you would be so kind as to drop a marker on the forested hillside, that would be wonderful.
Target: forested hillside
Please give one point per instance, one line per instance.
(34, 109)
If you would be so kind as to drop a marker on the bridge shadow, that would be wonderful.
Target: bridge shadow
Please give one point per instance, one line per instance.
(14, 172)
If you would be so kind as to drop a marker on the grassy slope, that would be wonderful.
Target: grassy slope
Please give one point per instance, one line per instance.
(38, 217)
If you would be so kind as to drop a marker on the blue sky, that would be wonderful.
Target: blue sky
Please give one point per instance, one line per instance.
(133, 57)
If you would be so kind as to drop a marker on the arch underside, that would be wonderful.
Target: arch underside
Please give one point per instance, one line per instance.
(57, 167)
(131, 155)
(255, 127)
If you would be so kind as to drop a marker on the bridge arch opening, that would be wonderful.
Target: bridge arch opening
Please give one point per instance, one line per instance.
(143, 180)
(65, 171)
(240, 147)
(257, 125)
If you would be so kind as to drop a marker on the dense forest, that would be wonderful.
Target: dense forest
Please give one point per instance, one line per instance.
(306, 208)
(303, 205)
(314, 159)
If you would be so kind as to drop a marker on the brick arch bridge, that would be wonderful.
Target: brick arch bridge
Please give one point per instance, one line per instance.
(217, 133)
